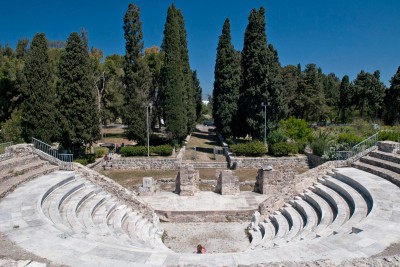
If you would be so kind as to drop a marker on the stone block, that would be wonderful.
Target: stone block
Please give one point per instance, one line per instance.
(187, 181)
(148, 182)
(266, 180)
(227, 183)
(388, 146)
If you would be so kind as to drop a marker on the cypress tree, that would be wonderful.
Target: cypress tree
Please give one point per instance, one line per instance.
(344, 99)
(392, 100)
(38, 107)
(172, 85)
(226, 84)
(188, 89)
(198, 95)
(78, 108)
(262, 81)
(137, 77)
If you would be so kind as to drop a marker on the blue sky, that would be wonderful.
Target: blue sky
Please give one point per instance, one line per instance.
(343, 37)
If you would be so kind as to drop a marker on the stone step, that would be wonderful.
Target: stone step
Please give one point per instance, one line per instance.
(308, 213)
(389, 175)
(395, 158)
(296, 221)
(9, 185)
(281, 224)
(25, 168)
(324, 210)
(359, 205)
(269, 231)
(391, 166)
(340, 208)
(9, 164)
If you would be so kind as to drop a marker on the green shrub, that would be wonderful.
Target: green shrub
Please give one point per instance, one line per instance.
(297, 129)
(301, 146)
(277, 136)
(86, 159)
(164, 150)
(133, 151)
(349, 138)
(100, 151)
(388, 135)
(252, 149)
(322, 141)
(137, 151)
(82, 161)
(283, 149)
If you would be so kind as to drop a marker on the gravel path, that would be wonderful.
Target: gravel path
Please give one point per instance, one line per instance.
(216, 237)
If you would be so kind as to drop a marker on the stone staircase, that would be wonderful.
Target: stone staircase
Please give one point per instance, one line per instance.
(22, 168)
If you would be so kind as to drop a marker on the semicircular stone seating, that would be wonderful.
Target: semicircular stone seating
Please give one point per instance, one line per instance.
(62, 216)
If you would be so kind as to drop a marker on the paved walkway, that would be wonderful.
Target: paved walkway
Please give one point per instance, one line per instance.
(22, 220)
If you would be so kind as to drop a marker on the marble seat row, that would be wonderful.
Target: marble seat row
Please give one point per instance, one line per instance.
(79, 208)
(335, 204)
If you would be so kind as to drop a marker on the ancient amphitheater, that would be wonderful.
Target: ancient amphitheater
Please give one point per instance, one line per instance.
(80, 218)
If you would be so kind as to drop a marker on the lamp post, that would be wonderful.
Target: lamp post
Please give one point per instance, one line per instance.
(149, 105)
(265, 122)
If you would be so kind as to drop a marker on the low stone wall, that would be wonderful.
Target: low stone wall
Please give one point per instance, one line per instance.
(284, 163)
(205, 216)
(314, 160)
(115, 189)
(152, 163)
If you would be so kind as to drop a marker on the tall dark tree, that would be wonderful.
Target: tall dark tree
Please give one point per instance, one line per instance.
(344, 99)
(368, 94)
(291, 76)
(137, 77)
(331, 85)
(226, 83)
(172, 80)
(198, 95)
(392, 100)
(188, 89)
(79, 118)
(262, 81)
(38, 108)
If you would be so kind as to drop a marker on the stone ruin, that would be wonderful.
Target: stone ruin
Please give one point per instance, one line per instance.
(266, 181)
(149, 187)
(227, 183)
(187, 181)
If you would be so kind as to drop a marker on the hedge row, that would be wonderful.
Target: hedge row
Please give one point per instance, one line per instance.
(251, 149)
(135, 151)
(284, 149)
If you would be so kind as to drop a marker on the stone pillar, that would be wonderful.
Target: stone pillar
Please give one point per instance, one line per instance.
(266, 180)
(187, 181)
(149, 187)
(227, 183)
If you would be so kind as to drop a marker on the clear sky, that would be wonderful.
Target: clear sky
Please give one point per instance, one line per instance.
(339, 36)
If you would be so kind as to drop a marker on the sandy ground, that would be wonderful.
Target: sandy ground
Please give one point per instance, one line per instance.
(216, 237)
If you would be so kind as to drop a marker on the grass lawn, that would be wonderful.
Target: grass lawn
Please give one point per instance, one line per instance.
(114, 134)
(201, 147)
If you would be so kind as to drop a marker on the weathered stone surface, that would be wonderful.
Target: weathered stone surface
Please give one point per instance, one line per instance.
(227, 183)
(187, 181)
(388, 146)
(267, 181)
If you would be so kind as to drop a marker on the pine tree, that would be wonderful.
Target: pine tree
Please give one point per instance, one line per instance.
(38, 108)
(78, 108)
(262, 80)
(137, 77)
(188, 89)
(172, 80)
(392, 100)
(226, 84)
(344, 99)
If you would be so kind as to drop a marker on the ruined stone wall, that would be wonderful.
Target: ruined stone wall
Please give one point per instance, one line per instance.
(284, 163)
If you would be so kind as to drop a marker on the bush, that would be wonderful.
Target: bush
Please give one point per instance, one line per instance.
(349, 138)
(321, 143)
(283, 149)
(133, 151)
(137, 151)
(164, 150)
(301, 146)
(86, 159)
(389, 136)
(277, 136)
(297, 129)
(252, 149)
(100, 151)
